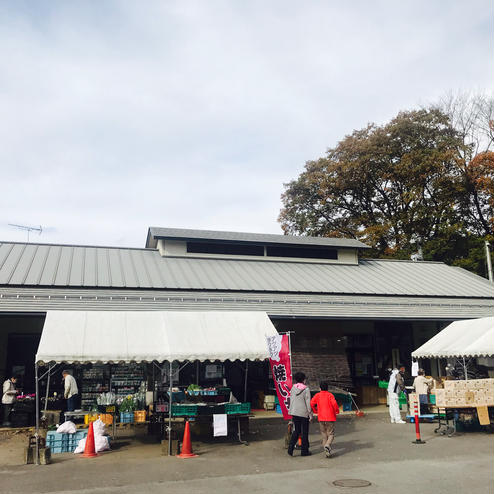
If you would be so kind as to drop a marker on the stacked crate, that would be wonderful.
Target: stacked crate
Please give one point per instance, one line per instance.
(62, 442)
(471, 393)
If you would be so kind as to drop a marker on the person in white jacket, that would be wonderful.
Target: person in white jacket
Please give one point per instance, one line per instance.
(8, 399)
(71, 392)
(395, 386)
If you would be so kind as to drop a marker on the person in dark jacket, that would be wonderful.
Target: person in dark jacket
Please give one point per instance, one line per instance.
(301, 413)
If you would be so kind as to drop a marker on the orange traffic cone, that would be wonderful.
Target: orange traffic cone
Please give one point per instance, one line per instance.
(186, 451)
(89, 449)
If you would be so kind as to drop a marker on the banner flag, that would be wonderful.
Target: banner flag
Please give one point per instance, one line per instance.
(279, 359)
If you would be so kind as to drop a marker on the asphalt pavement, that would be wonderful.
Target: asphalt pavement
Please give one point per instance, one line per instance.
(368, 449)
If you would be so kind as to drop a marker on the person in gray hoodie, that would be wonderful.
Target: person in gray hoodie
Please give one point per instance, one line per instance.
(301, 413)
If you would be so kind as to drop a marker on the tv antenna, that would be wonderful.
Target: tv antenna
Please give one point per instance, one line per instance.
(28, 229)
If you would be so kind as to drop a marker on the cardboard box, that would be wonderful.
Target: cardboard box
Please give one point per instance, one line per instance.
(483, 414)
(440, 397)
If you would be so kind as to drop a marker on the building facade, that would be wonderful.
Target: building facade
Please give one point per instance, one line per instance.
(350, 318)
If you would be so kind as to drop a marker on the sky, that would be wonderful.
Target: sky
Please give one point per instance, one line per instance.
(120, 115)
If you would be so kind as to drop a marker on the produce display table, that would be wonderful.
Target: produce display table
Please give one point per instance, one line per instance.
(203, 413)
(79, 414)
(449, 417)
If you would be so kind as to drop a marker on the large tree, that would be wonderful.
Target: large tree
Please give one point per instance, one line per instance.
(472, 116)
(396, 187)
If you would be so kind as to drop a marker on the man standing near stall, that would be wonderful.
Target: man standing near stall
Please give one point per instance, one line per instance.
(8, 399)
(71, 392)
(395, 386)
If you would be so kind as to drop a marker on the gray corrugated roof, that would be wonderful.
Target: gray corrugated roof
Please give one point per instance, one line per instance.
(260, 238)
(29, 264)
(277, 305)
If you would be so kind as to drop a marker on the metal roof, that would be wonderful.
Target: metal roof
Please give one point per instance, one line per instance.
(45, 265)
(276, 305)
(259, 238)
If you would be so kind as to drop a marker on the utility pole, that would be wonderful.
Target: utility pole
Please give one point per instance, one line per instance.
(489, 262)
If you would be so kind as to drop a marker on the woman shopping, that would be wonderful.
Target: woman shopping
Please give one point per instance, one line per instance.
(301, 413)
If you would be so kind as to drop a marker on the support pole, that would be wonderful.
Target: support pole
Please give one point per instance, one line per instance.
(36, 434)
(465, 369)
(47, 388)
(245, 382)
(289, 333)
(170, 411)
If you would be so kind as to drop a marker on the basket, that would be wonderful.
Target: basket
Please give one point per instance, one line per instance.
(233, 408)
(140, 416)
(58, 442)
(184, 410)
(126, 417)
(90, 417)
(106, 418)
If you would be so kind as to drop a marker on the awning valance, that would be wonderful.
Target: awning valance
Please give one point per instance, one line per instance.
(146, 336)
(469, 338)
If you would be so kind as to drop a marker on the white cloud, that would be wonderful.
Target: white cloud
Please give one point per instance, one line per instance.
(120, 115)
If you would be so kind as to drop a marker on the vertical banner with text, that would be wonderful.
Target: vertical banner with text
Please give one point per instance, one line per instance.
(279, 358)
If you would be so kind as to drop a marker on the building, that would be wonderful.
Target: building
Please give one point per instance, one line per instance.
(351, 317)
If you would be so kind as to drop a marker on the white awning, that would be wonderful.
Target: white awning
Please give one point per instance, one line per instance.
(470, 338)
(146, 336)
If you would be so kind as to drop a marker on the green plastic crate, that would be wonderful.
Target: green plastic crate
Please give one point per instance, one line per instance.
(382, 384)
(231, 408)
(184, 410)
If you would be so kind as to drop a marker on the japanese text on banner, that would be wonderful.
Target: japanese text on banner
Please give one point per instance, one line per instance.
(279, 359)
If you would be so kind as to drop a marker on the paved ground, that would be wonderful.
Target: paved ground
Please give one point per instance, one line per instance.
(366, 448)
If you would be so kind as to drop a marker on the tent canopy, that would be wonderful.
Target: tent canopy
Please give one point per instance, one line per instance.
(146, 336)
(470, 338)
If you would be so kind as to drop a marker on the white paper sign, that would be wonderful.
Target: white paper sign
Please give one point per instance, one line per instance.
(415, 368)
(220, 425)
(274, 347)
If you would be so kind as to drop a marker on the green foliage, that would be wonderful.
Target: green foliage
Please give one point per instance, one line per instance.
(396, 187)
(129, 404)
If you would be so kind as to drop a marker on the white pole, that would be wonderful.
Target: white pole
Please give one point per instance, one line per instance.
(245, 382)
(489, 262)
(289, 333)
(36, 434)
(170, 412)
(47, 387)
(465, 369)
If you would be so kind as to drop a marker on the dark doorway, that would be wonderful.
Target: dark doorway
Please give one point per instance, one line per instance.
(21, 351)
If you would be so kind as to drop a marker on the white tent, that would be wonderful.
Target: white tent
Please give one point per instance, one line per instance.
(146, 336)
(150, 336)
(469, 338)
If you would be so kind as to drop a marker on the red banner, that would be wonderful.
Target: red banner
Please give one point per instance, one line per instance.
(279, 358)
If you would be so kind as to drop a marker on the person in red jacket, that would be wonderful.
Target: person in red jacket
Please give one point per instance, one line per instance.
(324, 404)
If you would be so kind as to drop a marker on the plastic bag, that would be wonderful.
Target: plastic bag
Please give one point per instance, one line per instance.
(68, 427)
(99, 428)
(101, 443)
